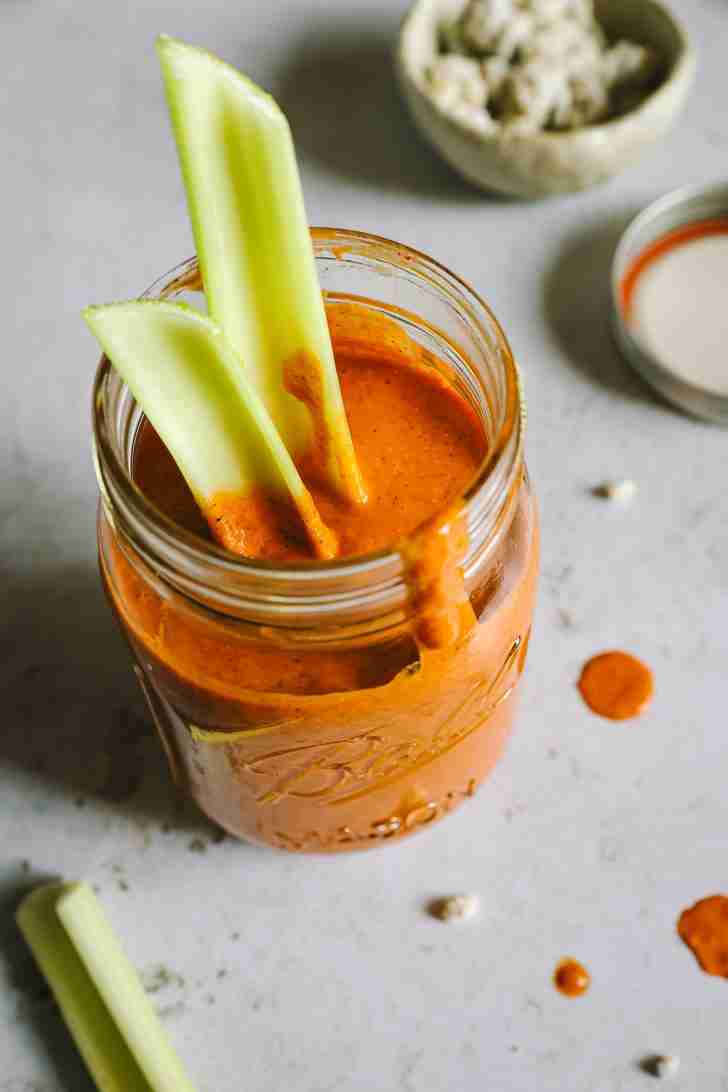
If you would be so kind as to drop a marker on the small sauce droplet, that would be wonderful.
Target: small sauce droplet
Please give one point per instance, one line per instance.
(704, 928)
(616, 685)
(571, 978)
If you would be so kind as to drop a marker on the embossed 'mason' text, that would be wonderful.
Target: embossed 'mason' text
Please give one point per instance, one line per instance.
(404, 822)
(342, 770)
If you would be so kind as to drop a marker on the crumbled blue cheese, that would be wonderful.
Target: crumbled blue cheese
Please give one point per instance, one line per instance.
(622, 491)
(536, 64)
(628, 63)
(583, 10)
(566, 43)
(495, 71)
(455, 79)
(546, 11)
(514, 35)
(589, 101)
(483, 21)
(475, 118)
(532, 91)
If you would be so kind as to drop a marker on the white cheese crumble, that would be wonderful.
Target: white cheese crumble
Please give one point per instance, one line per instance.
(622, 491)
(483, 22)
(536, 64)
(495, 71)
(514, 35)
(456, 79)
(456, 907)
(533, 91)
(665, 1065)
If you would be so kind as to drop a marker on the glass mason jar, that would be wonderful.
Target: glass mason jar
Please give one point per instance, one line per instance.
(294, 703)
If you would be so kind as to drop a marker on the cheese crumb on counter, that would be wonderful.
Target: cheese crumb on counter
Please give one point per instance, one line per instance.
(528, 65)
(666, 1065)
(620, 491)
(455, 908)
(662, 1066)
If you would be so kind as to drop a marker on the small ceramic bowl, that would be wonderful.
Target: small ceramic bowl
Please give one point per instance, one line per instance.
(538, 164)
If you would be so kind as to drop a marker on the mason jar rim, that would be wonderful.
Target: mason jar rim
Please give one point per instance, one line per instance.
(228, 579)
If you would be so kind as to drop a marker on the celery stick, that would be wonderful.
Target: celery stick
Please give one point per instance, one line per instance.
(254, 248)
(88, 928)
(187, 380)
(109, 1040)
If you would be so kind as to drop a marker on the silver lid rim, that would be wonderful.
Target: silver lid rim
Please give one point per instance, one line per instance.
(689, 204)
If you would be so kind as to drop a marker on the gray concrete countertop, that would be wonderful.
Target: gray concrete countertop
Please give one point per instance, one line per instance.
(317, 974)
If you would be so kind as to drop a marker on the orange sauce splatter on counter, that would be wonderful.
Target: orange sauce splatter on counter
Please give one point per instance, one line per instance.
(616, 685)
(571, 978)
(704, 928)
(687, 234)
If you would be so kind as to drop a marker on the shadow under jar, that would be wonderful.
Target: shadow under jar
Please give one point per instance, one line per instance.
(294, 702)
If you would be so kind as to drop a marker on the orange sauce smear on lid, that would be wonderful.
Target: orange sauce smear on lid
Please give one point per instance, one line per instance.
(687, 234)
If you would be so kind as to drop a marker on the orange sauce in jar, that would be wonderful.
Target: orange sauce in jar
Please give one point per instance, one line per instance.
(316, 741)
(418, 444)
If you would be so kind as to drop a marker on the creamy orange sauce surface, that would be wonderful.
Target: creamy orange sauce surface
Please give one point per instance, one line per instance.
(418, 443)
(704, 928)
(616, 685)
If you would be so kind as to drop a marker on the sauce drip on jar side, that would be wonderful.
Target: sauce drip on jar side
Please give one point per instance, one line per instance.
(704, 928)
(616, 685)
(571, 978)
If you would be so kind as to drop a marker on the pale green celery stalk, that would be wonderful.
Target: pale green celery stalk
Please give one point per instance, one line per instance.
(181, 370)
(253, 243)
(99, 994)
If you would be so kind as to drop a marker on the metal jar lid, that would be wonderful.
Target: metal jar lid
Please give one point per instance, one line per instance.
(690, 205)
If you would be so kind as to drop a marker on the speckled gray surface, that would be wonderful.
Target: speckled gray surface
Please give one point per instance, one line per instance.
(314, 974)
